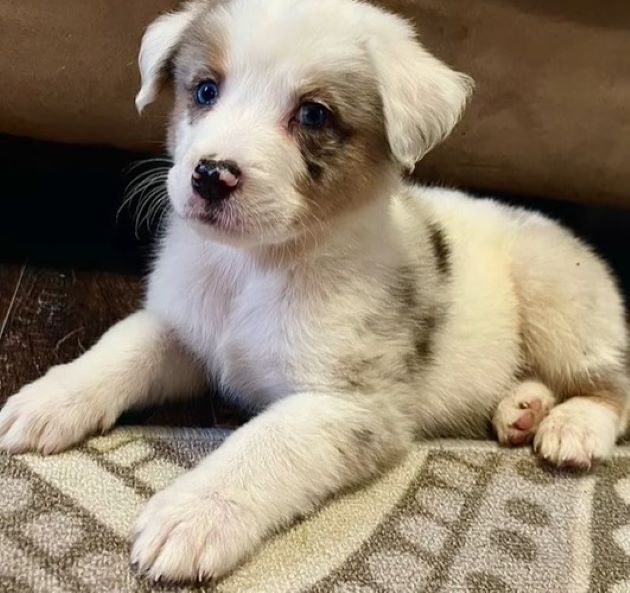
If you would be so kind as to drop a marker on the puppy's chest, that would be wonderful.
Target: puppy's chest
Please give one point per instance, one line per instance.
(271, 341)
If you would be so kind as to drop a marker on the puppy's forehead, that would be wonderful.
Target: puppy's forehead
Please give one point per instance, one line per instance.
(306, 35)
(299, 40)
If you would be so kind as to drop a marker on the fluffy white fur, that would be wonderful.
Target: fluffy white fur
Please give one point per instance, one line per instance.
(321, 325)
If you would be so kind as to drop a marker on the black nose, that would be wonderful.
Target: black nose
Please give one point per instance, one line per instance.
(215, 180)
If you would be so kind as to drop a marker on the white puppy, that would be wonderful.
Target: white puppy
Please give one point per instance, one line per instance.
(303, 277)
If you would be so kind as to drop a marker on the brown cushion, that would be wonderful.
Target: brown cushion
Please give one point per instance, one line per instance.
(69, 71)
(550, 116)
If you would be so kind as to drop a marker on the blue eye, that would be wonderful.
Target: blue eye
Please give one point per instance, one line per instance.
(207, 93)
(312, 115)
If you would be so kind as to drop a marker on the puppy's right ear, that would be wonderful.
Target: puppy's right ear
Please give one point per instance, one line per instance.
(159, 44)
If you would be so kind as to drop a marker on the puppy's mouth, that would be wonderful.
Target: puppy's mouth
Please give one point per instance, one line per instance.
(224, 216)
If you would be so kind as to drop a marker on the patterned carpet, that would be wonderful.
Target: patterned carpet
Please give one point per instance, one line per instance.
(455, 516)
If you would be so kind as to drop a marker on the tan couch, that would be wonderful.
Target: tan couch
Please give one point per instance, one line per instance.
(550, 117)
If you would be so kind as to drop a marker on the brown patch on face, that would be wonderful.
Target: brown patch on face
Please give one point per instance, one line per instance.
(345, 158)
(321, 147)
(200, 56)
(202, 52)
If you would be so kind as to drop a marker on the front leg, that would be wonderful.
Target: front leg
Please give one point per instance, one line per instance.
(138, 361)
(275, 468)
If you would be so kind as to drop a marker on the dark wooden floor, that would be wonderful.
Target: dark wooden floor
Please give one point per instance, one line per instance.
(70, 267)
(51, 316)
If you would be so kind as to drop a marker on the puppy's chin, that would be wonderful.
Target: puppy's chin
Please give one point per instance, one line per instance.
(220, 223)
(210, 232)
(231, 223)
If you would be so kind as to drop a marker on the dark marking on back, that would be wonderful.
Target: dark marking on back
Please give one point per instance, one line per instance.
(423, 337)
(423, 320)
(441, 248)
(364, 436)
(421, 352)
(341, 451)
(404, 290)
(405, 329)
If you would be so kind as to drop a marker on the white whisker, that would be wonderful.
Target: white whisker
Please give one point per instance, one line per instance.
(148, 191)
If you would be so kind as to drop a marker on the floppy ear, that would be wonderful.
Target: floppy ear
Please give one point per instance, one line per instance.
(159, 44)
(423, 98)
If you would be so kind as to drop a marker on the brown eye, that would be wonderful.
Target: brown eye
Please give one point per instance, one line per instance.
(312, 115)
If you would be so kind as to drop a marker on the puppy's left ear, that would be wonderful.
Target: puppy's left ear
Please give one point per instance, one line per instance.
(423, 98)
(158, 47)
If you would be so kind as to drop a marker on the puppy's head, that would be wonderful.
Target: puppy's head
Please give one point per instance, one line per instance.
(289, 113)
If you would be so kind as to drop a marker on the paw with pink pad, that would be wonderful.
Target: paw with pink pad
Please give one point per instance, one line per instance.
(519, 415)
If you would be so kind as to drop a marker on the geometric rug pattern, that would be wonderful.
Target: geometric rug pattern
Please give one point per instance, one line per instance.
(453, 516)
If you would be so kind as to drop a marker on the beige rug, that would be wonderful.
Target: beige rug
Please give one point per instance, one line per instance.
(456, 516)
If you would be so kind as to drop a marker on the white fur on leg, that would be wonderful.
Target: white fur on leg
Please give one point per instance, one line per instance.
(135, 362)
(577, 433)
(519, 415)
(278, 466)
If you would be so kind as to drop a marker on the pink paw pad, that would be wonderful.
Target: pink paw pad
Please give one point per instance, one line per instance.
(529, 417)
(518, 416)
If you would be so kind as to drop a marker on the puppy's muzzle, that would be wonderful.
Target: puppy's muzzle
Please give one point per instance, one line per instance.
(215, 181)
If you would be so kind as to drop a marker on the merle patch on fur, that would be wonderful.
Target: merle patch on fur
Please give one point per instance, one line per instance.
(404, 291)
(343, 159)
(422, 318)
(359, 373)
(441, 248)
(363, 436)
(321, 149)
(424, 334)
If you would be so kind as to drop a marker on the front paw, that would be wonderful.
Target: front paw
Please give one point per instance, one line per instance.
(185, 534)
(577, 434)
(52, 414)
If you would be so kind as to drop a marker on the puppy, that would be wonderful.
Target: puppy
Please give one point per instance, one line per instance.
(300, 275)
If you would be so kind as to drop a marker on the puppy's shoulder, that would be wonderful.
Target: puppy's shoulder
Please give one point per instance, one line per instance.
(464, 212)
